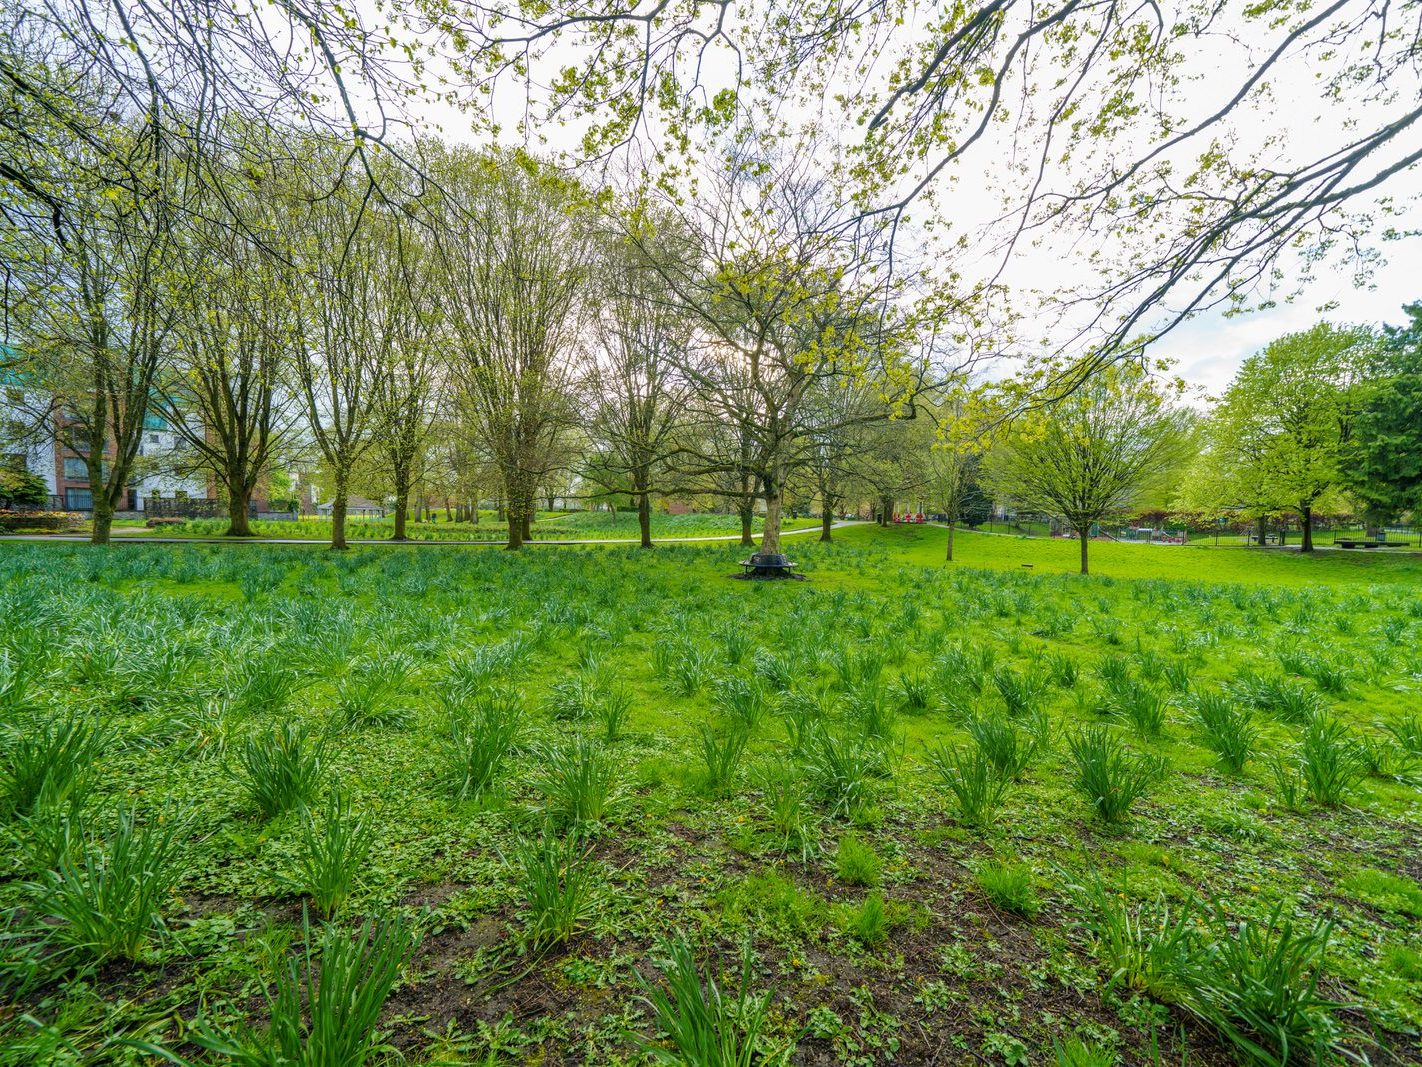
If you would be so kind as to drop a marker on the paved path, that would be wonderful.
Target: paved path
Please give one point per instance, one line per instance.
(144, 539)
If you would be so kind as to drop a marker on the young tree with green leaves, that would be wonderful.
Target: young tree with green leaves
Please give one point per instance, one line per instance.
(636, 392)
(1095, 451)
(1280, 436)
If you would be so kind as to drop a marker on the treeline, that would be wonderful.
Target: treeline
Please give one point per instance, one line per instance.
(486, 327)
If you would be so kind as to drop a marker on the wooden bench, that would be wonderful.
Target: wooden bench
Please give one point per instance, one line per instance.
(1361, 543)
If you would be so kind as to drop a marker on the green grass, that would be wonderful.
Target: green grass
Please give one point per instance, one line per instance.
(1252, 566)
(549, 526)
(593, 804)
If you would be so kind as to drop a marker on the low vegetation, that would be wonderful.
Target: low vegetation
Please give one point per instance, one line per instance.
(271, 805)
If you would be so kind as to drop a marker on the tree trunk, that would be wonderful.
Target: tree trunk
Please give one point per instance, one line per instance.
(103, 520)
(402, 504)
(1085, 535)
(774, 507)
(949, 557)
(1262, 531)
(239, 503)
(826, 521)
(527, 528)
(1307, 514)
(747, 514)
(644, 518)
(338, 516)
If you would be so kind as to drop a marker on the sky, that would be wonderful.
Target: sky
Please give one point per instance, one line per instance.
(1208, 350)
(1293, 116)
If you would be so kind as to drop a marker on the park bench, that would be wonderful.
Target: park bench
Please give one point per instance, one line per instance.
(1363, 542)
(773, 565)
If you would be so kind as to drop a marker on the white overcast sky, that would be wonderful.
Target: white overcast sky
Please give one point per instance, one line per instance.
(1207, 350)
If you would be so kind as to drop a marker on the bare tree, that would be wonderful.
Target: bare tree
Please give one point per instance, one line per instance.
(638, 394)
(408, 376)
(516, 262)
(782, 302)
(228, 389)
(338, 340)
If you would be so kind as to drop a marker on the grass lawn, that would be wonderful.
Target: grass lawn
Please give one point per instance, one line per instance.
(1195, 562)
(518, 808)
(556, 526)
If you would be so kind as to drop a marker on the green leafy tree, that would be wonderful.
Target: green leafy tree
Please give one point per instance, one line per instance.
(21, 489)
(1096, 451)
(1383, 469)
(1279, 438)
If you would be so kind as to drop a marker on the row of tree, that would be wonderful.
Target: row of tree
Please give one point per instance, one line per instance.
(487, 326)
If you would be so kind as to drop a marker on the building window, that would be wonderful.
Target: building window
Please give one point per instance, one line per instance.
(153, 439)
(78, 500)
(76, 470)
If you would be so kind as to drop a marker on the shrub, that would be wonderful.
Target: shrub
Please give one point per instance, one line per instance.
(559, 882)
(107, 902)
(1110, 778)
(1009, 887)
(578, 782)
(330, 859)
(721, 756)
(479, 739)
(706, 1027)
(369, 694)
(281, 769)
(1330, 761)
(327, 1001)
(857, 863)
(1258, 988)
(1228, 729)
(1004, 745)
(975, 783)
(51, 759)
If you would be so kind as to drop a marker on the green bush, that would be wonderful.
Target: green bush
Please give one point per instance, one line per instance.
(107, 901)
(281, 769)
(1109, 777)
